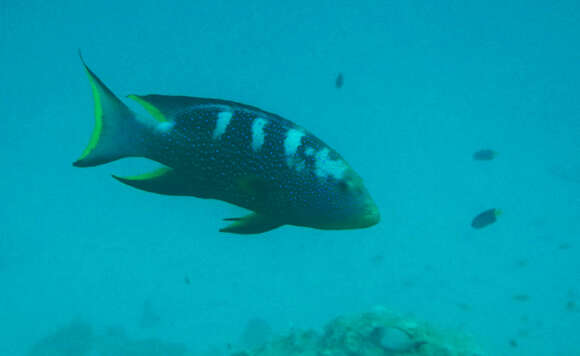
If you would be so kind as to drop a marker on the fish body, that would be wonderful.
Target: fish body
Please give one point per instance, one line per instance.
(240, 154)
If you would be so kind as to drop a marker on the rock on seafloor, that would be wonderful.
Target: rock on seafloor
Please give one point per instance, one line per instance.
(377, 333)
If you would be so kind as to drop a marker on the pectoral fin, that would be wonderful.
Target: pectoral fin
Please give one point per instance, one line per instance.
(166, 181)
(253, 223)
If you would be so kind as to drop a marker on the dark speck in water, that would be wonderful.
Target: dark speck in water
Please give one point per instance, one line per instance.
(464, 306)
(564, 246)
(376, 259)
(484, 155)
(522, 263)
(521, 297)
(339, 81)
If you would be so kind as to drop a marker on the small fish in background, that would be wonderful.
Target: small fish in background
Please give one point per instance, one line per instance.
(409, 283)
(377, 259)
(187, 280)
(523, 332)
(564, 246)
(339, 81)
(484, 155)
(463, 306)
(522, 263)
(521, 297)
(485, 218)
(571, 304)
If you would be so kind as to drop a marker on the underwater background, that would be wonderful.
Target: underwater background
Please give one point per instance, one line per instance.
(425, 85)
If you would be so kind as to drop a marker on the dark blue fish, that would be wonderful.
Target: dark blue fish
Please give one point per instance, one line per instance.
(485, 218)
(240, 154)
(339, 81)
(484, 155)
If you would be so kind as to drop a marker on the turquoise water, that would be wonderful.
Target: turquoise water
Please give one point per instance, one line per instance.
(425, 86)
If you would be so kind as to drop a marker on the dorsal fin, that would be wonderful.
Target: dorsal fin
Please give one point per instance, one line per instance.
(165, 107)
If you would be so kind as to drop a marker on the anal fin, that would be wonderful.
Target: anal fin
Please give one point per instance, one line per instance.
(253, 223)
(166, 181)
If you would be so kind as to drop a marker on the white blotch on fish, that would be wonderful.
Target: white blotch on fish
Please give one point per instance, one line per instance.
(292, 142)
(258, 133)
(221, 124)
(325, 167)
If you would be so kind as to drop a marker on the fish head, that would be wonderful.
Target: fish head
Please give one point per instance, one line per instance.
(348, 204)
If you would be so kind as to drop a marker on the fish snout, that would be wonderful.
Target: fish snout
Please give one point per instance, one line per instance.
(371, 215)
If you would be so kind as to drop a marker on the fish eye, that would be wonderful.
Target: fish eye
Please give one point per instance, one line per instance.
(344, 185)
(350, 186)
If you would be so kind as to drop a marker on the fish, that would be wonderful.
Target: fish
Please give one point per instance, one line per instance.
(564, 246)
(485, 218)
(232, 152)
(339, 81)
(521, 297)
(484, 155)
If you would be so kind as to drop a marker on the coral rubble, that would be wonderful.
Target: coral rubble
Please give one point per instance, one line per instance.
(377, 333)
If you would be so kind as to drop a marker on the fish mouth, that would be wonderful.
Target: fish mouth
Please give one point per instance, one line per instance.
(371, 216)
(368, 216)
(365, 215)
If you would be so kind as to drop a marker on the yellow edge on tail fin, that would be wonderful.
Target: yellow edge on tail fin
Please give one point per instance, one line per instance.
(117, 132)
(497, 212)
(98, 115)
(157, 115)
